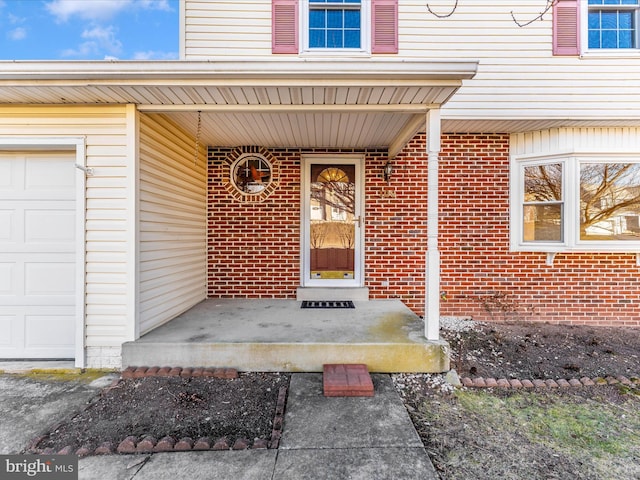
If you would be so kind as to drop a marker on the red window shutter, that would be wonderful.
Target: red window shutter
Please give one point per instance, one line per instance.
(384, 26)
(566, 27)
(284, 26)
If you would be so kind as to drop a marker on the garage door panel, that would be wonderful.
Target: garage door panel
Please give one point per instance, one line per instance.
(49, 175)
(50, 332)
(8, 278)
(51, 226)
(49, 279)
(8, 166)
(7, 226)
(10, 331)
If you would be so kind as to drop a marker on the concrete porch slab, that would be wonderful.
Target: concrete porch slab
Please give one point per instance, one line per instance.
(277, 335)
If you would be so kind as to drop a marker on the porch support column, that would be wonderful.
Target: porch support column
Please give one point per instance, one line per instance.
(432, 307)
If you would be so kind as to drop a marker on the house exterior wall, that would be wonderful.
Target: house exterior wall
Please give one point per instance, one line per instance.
(480, 277)
(518, 75)
(109, 244)
(172, 222)
(254, 248)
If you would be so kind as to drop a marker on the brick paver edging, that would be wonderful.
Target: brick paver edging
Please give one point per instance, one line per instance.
(481, 382)
(147, 444)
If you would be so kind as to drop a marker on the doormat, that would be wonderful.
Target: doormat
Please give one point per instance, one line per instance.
(327, 304)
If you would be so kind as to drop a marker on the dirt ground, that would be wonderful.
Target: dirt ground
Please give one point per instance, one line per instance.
(195, 407)
(590, 433)
(541, 351)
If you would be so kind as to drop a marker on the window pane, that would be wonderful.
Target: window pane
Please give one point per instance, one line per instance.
(609, 20)
(334, 18)
(334, 39)
(317, 39)
(543, 183)
(352, 19)
(542, 223)
(352, 39)
(609, 201)
(609, 39)
(317, 19)
(625, 40)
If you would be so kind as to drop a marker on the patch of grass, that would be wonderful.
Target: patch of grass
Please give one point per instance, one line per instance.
(524, 434)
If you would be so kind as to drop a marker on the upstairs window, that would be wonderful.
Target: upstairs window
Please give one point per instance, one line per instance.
(612, 24)
(360, 26)
(335, 24)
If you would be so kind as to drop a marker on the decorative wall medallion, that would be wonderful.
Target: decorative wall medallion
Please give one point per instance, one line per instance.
(252, 173)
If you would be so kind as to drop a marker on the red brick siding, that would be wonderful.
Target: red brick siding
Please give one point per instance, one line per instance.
(483, 279)
(254, 248)
(396, 228)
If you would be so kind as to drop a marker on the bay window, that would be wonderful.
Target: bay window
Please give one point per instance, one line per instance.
(580, 202)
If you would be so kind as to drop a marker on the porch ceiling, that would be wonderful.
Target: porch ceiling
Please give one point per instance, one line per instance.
(315, 103)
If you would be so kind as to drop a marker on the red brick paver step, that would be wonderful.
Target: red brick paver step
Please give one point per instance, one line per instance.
(346, 380)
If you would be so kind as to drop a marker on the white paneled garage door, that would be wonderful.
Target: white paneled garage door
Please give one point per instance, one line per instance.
(37, 254)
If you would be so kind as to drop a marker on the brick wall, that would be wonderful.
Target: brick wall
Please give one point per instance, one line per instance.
(254, 247)
(483, 279)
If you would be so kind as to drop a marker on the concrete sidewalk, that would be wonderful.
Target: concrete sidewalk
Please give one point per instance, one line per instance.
(330, 438)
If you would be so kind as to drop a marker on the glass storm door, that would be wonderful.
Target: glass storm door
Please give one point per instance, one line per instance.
(332, 222)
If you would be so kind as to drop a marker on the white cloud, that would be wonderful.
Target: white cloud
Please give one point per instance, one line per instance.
(155, 55)
(62, 10)
(17, 33)
(98, 39)
(14, 19)
(154, 5)
(100, 10)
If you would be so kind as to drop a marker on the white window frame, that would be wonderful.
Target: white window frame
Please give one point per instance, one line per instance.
(571, 241)
(606, 52)
(365, 33)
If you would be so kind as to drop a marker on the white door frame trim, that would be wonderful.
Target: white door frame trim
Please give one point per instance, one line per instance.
(76, 144)
(331, 159)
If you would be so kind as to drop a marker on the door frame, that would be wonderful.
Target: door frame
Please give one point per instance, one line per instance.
(359, 210)
(76, 145)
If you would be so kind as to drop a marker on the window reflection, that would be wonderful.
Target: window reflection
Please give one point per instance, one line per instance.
(609, 201)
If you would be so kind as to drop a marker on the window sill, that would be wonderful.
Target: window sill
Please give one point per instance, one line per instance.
(610, 53)
(333, 52)
(527, 248)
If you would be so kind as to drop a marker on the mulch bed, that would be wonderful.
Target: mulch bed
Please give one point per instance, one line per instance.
(156, 413)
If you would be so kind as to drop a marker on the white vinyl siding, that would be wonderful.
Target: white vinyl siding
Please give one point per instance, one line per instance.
(518, 77)
(108, 248)
(234, 28)
(172, 222)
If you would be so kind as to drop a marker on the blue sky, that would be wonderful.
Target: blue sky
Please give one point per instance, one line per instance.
(89, 29)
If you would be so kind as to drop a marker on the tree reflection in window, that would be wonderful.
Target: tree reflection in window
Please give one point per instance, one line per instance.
(332, 207)
(609, 201)
(543, 203)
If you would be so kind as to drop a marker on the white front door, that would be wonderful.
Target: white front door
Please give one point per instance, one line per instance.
(37, 254)
(332, 221)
